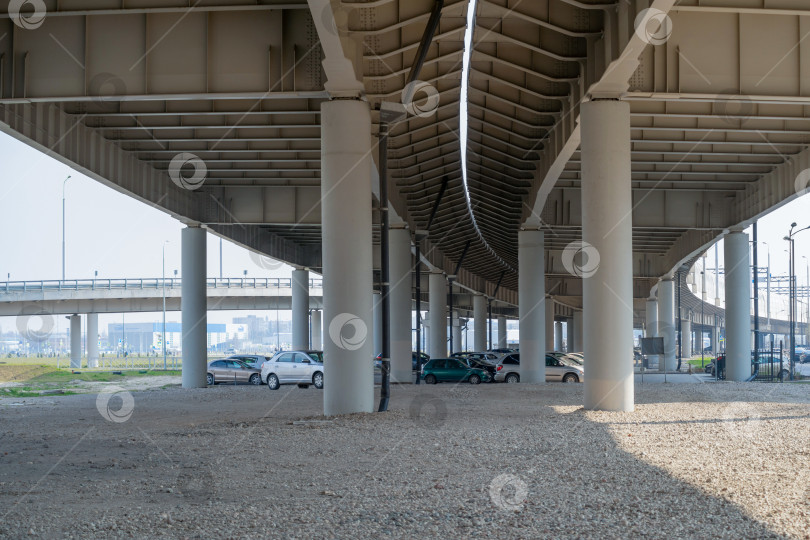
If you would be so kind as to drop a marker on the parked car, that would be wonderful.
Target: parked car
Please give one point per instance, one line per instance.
(452, 370)
(293, 367)
(414, 363)
(478, 363)
(231, 371)
(557, 369)
(253, 360)
(503, 350)
(575, 359)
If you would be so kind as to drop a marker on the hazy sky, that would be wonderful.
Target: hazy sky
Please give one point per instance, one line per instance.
(119, 237)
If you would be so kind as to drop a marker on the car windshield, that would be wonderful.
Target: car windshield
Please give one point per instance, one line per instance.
(565, 361)
(573, 360)
(317, 356)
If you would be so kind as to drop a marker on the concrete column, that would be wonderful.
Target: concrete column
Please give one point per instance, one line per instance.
(549, 325)
(300, 309)
(532, 305)
(651, 327)
(501, 332)
(377, 317)
(738, 307)
(666, 324)
(579, 344)
(607, 234)
(75, 341)
(480, 322)
(569, 335)
(92, 340)
(558, 336)
(194, 307)
(317, 330)
(686, 334)
(456, 322)
(437, 298)
(399, 255)
(426, 332)
(716, 339)
(347, 256)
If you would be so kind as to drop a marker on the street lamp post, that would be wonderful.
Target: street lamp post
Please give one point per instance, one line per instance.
(63, 226)
(792, 295)
(163, 281)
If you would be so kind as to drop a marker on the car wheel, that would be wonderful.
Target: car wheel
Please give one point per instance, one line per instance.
(209, 379)
(513, 378)
(475, 379)
(570, 377)
(255, 379)
(317, 380)
(272, 382)
(431, 379)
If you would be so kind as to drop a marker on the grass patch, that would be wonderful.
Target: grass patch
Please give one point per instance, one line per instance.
(50, 374)
(27, 391)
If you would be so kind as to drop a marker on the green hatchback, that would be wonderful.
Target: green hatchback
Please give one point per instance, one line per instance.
(452, 370)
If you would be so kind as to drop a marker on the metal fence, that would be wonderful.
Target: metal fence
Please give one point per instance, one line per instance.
(148, 283)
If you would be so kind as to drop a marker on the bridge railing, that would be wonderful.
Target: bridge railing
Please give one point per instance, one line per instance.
(147, 283)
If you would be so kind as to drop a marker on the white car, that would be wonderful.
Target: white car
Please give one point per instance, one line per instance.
(294, 367)
(508, 370)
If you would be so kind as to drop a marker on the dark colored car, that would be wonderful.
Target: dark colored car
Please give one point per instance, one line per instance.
(414, 363)
(477, 363)
(452, 370)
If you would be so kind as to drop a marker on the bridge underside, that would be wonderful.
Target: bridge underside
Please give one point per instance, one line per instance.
(717, 93)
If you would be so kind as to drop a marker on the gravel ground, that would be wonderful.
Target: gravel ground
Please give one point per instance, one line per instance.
(494, 461)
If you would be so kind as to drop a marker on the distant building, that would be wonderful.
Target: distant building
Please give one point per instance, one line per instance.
(148, 337)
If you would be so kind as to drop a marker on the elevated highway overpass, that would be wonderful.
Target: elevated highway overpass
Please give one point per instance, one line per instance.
(570, 153)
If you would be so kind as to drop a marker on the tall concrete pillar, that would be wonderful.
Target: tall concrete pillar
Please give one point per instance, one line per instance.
(716, 338)
(426, 332)
(456, 323)
(651, 326)
(317, 330)
(347, 256)
(437, 298)
(532, 305)
(75, 341)
(569, 335)
(666, 324)
(399, 250)
(300, 309)
(92, 340)
(194, 307)
(558, 336)
(607, 234)
(738, 306)
(579, 344)
(549, 325)
(686, 334)
(377, 317)
(501, 332)
(480, 322)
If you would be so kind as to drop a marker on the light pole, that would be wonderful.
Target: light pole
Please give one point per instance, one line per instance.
(63, 226)
(163, 281)
(792, 289)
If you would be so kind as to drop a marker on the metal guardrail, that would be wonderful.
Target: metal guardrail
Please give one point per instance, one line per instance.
(147, 283)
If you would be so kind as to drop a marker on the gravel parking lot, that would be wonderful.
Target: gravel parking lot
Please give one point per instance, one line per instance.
(495, 461)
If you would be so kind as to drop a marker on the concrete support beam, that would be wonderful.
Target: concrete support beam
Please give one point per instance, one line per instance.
(400, 305)
(651, 327)
(501, 332)
(317, 330)
(480, 322)
(532, 306)
(437, 298)
(666, 324)
(194, 315)
(300, 309)
(558, 336)
(607, 234)
(75, 341)
(686, 334)
(92, 340)
(579, 344)
(549, 324)
(738, 306)
(455, 322)
(569, 334)
(347, 256)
